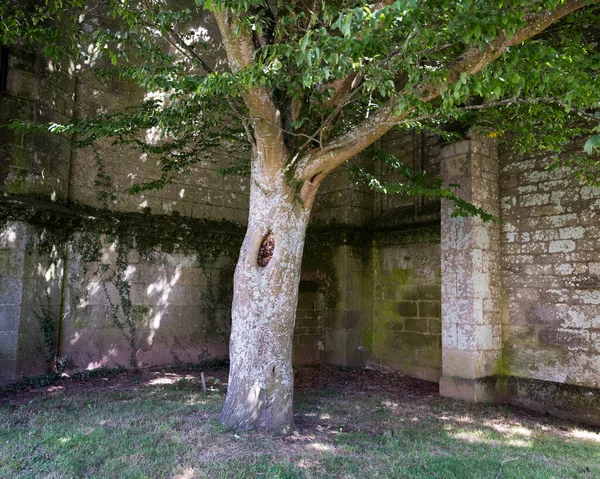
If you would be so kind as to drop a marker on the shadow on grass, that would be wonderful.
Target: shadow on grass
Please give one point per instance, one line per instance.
(163, 425)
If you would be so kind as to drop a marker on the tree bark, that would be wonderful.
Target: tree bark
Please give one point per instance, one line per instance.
(261, 382)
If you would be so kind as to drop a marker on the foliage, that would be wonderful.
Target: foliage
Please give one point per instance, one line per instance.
(121, 312)
(48, 325)
(415, 184)
(541, 92)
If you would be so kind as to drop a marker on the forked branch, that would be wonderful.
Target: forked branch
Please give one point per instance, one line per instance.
(324, 160)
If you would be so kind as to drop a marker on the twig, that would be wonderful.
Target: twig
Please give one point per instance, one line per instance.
(203, 382)
(506, 462)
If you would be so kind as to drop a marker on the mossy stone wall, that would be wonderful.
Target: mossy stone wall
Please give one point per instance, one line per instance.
(407, 302)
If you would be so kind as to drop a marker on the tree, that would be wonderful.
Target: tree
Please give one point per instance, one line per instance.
(308, 86)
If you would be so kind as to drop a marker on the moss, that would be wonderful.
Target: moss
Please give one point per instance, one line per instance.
(566, 400)
(368, 339)
(168, 233)
(402, 277)
(18, 180)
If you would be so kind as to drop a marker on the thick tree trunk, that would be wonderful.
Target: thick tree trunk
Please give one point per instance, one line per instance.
(260, 389)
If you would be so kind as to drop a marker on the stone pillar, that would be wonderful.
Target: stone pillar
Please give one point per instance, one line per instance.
(471, 323)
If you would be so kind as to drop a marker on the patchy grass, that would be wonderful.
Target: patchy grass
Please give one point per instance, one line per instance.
(365, 424)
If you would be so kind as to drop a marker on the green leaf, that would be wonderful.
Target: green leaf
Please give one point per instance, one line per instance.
(592, 144)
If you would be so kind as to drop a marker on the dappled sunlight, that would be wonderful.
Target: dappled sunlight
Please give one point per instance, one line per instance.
(53, 389)
(509, 429)
(75, 338)
(49, 272)
(129, 271)
(177, 434)
(153, 135)
(162, 287)
(195, 400)
(168, 379)
(482, 437)
(92, 288)
(8, 237)
(91, 56)
(105, 360)
(518, 443)
(188, 473)
(94, 365)
(319, 446)
(198, 34)
(586, 435)
(460, 419)
(390, 404)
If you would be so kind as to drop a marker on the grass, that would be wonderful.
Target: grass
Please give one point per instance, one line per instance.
(160, 426)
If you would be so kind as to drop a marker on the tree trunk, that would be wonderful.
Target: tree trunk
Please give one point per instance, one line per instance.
(265, 297)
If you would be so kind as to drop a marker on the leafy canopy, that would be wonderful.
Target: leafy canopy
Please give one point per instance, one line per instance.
(329, 68)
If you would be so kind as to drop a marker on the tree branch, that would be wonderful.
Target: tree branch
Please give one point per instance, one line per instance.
(269, 150)
(322, 161)
(507, 102)
(342, 87)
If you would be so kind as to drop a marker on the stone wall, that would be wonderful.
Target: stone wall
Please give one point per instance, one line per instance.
(145, 295)
(40, 91)
(507, 311)
(179, 312)
(406, 265)
(521, 300)
(551, 259)
(309, 339)
(12, 251)
(407, 307)
(174, 294)
(31, 278)
(176, 271)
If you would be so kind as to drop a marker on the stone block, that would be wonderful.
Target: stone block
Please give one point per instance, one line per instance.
(565, 338)
(417, 325)
(423, 292)
(430, 309)
(7, 370)
(562, 246)
(397, 324)
(434, 326)
(464, 364)
(474, 390)
(407, 309)
(335, 357)
(10, 317)
(8, 345)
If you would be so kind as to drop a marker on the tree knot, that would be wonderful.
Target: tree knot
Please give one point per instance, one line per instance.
(265, 252)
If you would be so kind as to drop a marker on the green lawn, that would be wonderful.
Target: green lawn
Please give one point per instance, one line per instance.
(156, 425)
